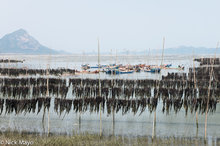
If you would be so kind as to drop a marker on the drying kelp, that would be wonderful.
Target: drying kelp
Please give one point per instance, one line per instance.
(192, 104)
(111, 83)
(22, 72)
(22, 92)
(52, 90)
(2, 101)
(15, 92)
(19, 106)
(111, 88)
(10, 61)
(61, 105)
(200, 105)
(32, 81)
(175, 91)
(175, 76)
(208, 61)
(92, 104)
(43, 102)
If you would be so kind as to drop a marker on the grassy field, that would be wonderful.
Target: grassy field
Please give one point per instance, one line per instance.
(13, 138)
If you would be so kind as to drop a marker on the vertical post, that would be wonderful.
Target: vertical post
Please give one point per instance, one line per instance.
(158, 86)
(47, 72)
(100, 106)
(207, 105)
(194, 77)
(116, 57)
(148, 62)
(113, 121)
(210, 81)
(154, 125)
(47, 94)
(79, 121)
(81, 86)
(163, 51)
(9, 65)
(48, 123)
(145, 60)
(113, 114)
(197, 124)
(154, 122)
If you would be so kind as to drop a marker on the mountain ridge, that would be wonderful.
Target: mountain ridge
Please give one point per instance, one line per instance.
(181, 50)
(22, 43)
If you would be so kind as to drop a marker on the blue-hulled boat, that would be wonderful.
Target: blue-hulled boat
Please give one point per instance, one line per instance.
(153, 70)
(112, 72)
(101, 66)
(116, 72)
(85, 66)
(168, 65)
(126, 72)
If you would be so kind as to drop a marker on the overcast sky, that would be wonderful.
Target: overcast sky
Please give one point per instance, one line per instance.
(74, 25)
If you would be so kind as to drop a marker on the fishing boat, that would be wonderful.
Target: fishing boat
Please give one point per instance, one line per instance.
(181, 67)
(85, 66)
(168, 65)
(153, 70)
(101, 66)
(138, 70)
(112, 72)
(116, 71)
(126, 72)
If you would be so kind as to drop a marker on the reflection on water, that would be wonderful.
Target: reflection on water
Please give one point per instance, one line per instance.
(126, 125)
(114, 124)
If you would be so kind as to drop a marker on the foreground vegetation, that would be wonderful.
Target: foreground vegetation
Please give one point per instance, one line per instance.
(14, 138)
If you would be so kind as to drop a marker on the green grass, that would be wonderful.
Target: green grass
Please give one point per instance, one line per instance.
(94, 140)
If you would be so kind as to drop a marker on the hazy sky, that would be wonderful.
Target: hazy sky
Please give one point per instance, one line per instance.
(74, 25)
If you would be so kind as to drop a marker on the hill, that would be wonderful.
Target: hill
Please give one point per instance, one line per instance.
(21, 42)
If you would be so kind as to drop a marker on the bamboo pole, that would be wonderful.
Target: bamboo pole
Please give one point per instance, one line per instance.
(210, 81)
(194, 76)
(116, 60)
(158, 86)
(113, 111)
(154, 125)
(48, 123)
(48, 120)
(100, 106)
(148, 60)
(113, 121)
(81, 84)
(47, 95)
(163, 51)
(113, 117)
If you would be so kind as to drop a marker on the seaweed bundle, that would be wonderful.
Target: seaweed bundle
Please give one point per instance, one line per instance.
(21, 71)
(10, 61)
(2, 101)
(208, 61)
(19, 106)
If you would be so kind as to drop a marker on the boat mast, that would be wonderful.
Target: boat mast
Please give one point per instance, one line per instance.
(98, 54)
(148, 62)
(163, 51)
(116, 57)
